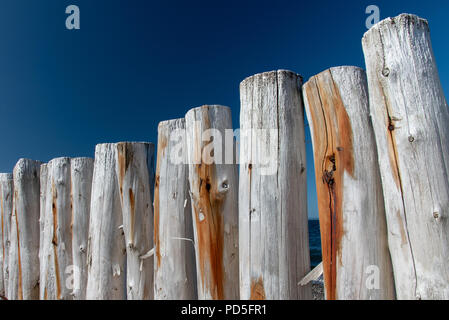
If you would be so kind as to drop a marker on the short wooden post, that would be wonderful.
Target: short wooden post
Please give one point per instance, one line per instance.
(106, 244)
(214, 192)
(134, 180)
(175, 275)
(24, 250)
(57, 237)
(6, 204)
(81, 171)
(350, 201)
(274, 244)
(410, 118)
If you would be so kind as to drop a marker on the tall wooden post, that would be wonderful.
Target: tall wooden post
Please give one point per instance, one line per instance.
(133, 169)
(274, 244)
(410, 118)
(214, 191)
(106, 256)
(47, 287)
(81, 171)
(175, 277)
(24, 250)
(356, 260)
(6, 204)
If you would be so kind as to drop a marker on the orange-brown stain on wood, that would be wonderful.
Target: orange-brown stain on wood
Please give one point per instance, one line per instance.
(161, 146)
(125, 158)
(133, 213)
(391, 141)
(55, 239)
(208, 204)
(257, 290)
(333, 153)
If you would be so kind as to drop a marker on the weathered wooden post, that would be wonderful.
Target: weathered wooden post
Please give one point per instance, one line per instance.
(175, 277)
(214, 192)
(106, 244)
(274, 244)
(410, 118)
(24, 250)
(45, 246)
(56, 243)
(356, 259)
(81, 171)
(6, 204)
(134, 180)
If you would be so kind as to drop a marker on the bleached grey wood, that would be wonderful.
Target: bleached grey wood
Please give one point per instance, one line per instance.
(133, 169)
(274, 244)
(356, 260)
(81, 171)
(47, 287)
(24, 250)
(410, 118)
(175, 275)
(106, 255)
(214, 195)
(6, 204)
(13, 283)
(56, 244)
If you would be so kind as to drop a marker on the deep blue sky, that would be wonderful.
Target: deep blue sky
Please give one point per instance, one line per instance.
(135, 63)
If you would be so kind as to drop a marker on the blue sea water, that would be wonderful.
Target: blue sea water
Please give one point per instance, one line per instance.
(314, 243)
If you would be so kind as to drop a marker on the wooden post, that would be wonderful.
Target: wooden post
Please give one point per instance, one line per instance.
(410, 118)
(24, 250)
(350, 201)
(214, 192)
(174, 268)
(47, 279)
(134, 179)
(56, 243)
(274, 244)
(46, 290)
(6, 204)
(81, 171)
(106, 244)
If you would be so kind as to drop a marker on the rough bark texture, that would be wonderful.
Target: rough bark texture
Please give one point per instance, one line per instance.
(274, 244)
(350, 199)
(214, 194)
(175, 277)
(81, 171)
(106, 256)
(135, 175)
(24, 250)
(410, 116)
(6, 204)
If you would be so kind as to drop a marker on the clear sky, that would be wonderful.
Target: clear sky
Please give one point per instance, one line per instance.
(135, 63)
